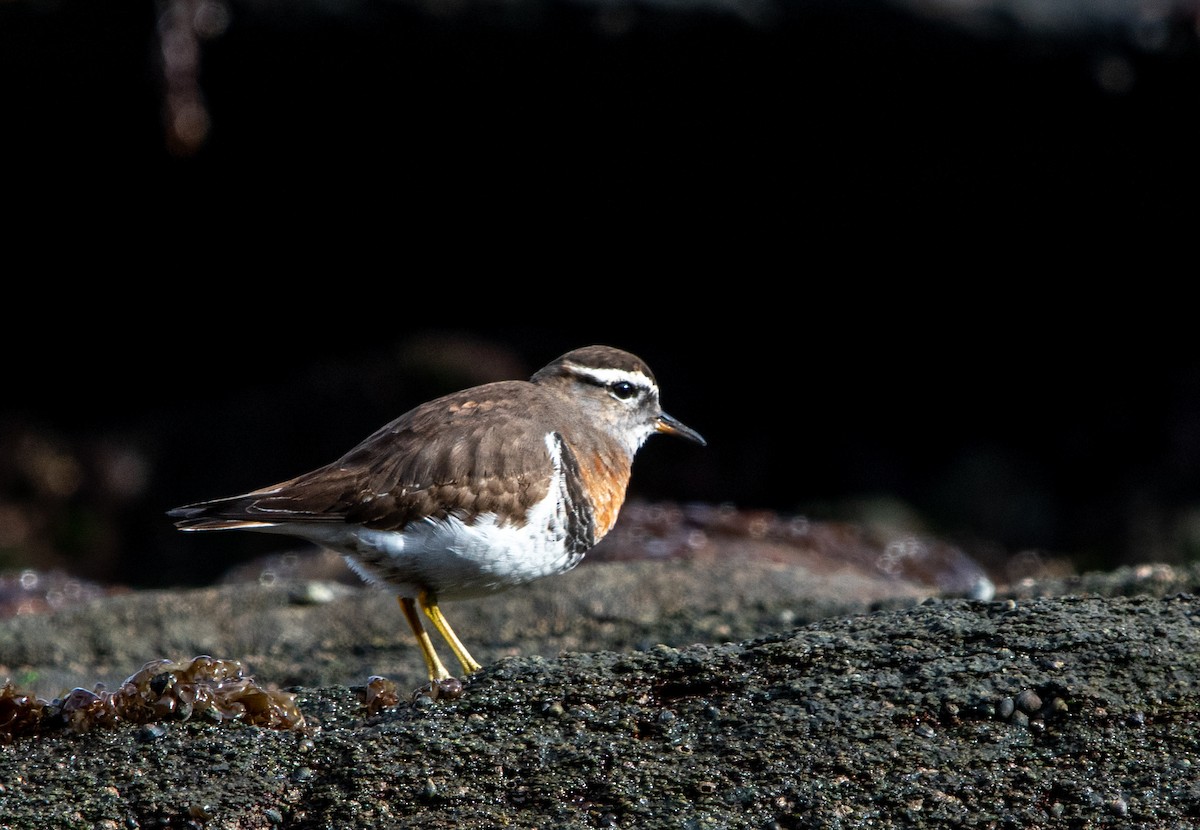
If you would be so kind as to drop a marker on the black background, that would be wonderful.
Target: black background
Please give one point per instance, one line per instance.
(867, 253)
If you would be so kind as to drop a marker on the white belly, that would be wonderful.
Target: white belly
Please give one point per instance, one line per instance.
(454, 560)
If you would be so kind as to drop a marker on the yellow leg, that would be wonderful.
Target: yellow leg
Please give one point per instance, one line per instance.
(430, 607)
(437, 671)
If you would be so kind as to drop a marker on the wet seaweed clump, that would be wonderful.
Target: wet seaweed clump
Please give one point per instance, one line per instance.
(20, 714)
(204, 687)
(379, 694)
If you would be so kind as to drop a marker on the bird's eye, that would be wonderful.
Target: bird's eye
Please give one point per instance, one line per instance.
(623, 389)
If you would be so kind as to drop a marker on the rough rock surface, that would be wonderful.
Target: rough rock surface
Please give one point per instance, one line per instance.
(721, 691)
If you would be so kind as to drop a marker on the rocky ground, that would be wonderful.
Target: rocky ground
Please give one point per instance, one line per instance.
(750, 673)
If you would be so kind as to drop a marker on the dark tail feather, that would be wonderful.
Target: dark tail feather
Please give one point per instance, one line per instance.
(222, 514)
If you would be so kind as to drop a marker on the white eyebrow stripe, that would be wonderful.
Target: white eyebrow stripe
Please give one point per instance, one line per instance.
(604, 377)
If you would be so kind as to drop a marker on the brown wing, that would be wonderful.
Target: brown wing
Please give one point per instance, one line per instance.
(439, 459)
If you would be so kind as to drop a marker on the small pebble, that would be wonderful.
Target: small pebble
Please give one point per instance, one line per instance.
(553, 708)
(421, 700)
(1028, 701)
(202, 812)
(312, 593)
(151, 732)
